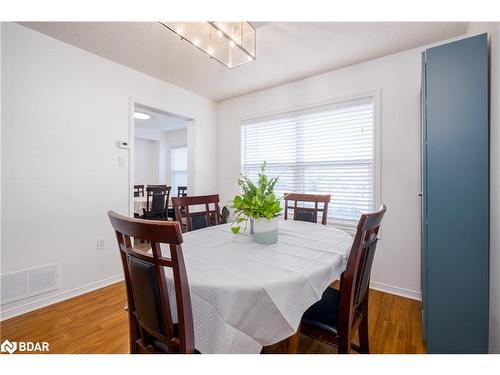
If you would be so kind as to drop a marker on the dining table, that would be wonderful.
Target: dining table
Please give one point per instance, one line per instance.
(246, 295)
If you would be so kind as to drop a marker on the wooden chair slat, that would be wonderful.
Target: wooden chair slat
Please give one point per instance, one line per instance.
(138, 190)
(310, 198)
(182, 191)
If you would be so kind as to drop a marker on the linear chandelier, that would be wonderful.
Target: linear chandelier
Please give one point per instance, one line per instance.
(230, 43)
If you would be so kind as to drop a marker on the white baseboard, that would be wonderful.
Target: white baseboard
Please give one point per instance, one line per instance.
(412, 294)
(43, 302)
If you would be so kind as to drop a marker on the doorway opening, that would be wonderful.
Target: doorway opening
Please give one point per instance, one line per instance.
(160, 158)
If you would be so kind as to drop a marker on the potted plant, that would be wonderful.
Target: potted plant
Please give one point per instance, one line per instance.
(257, 203)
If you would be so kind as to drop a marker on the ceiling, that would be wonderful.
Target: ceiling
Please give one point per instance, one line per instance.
(286, 51)
(159, 120)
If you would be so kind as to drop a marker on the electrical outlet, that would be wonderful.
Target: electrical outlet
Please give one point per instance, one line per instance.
(100, 245)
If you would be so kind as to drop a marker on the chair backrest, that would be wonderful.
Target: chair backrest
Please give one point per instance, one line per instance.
(197, 219)
(355, 281)
(150, 317)
(182, 191)
(157, 197)
(307, 213)
(138, 190)
(158, 186)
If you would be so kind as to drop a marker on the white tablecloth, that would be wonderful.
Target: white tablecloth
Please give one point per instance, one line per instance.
(139, 204)
(245, 295)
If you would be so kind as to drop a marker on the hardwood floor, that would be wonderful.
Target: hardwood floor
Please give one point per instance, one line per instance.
(97, 323)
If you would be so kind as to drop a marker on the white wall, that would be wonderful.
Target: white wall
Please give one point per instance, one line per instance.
(397, 264)
(146, 165)
(495, 195)
(162, 157)
(481, 27)
(166, 140)
(64, 110)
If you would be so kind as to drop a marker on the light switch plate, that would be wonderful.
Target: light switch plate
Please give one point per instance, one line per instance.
(100, 244)
(122, 161)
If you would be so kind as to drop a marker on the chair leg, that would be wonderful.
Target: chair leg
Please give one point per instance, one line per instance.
(133, 335)
(363, 335)
(344, 346)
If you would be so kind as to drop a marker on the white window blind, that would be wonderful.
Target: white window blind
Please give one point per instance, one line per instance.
(322, 150)
(179, 167)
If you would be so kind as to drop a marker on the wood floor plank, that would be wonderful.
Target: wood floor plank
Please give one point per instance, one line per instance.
(96, 322)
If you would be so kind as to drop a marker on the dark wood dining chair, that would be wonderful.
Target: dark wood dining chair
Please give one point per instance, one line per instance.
(151, 327)
(193, 220)
(335, 318)
(182, 191)
(138, 190)
(309, 214)
(157, 197)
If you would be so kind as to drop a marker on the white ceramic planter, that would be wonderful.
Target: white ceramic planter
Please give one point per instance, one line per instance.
(265, 231)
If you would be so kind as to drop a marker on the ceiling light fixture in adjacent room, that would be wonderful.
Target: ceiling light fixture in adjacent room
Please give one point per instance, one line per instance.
(230, 43)
(141, 116)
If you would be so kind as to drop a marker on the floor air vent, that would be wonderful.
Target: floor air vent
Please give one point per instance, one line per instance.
(30, 282)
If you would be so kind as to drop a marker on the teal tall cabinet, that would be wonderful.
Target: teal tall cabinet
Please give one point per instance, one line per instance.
(455, 196)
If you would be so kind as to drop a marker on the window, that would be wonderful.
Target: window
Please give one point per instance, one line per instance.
(179, 167)
(323, 150)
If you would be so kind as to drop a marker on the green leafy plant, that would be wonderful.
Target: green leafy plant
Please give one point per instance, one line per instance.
(255, 201)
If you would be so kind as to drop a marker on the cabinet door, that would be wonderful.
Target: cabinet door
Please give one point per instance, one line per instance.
(457, 201)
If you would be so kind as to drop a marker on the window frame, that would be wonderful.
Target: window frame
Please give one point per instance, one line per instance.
(375, 96)
(172, 170)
